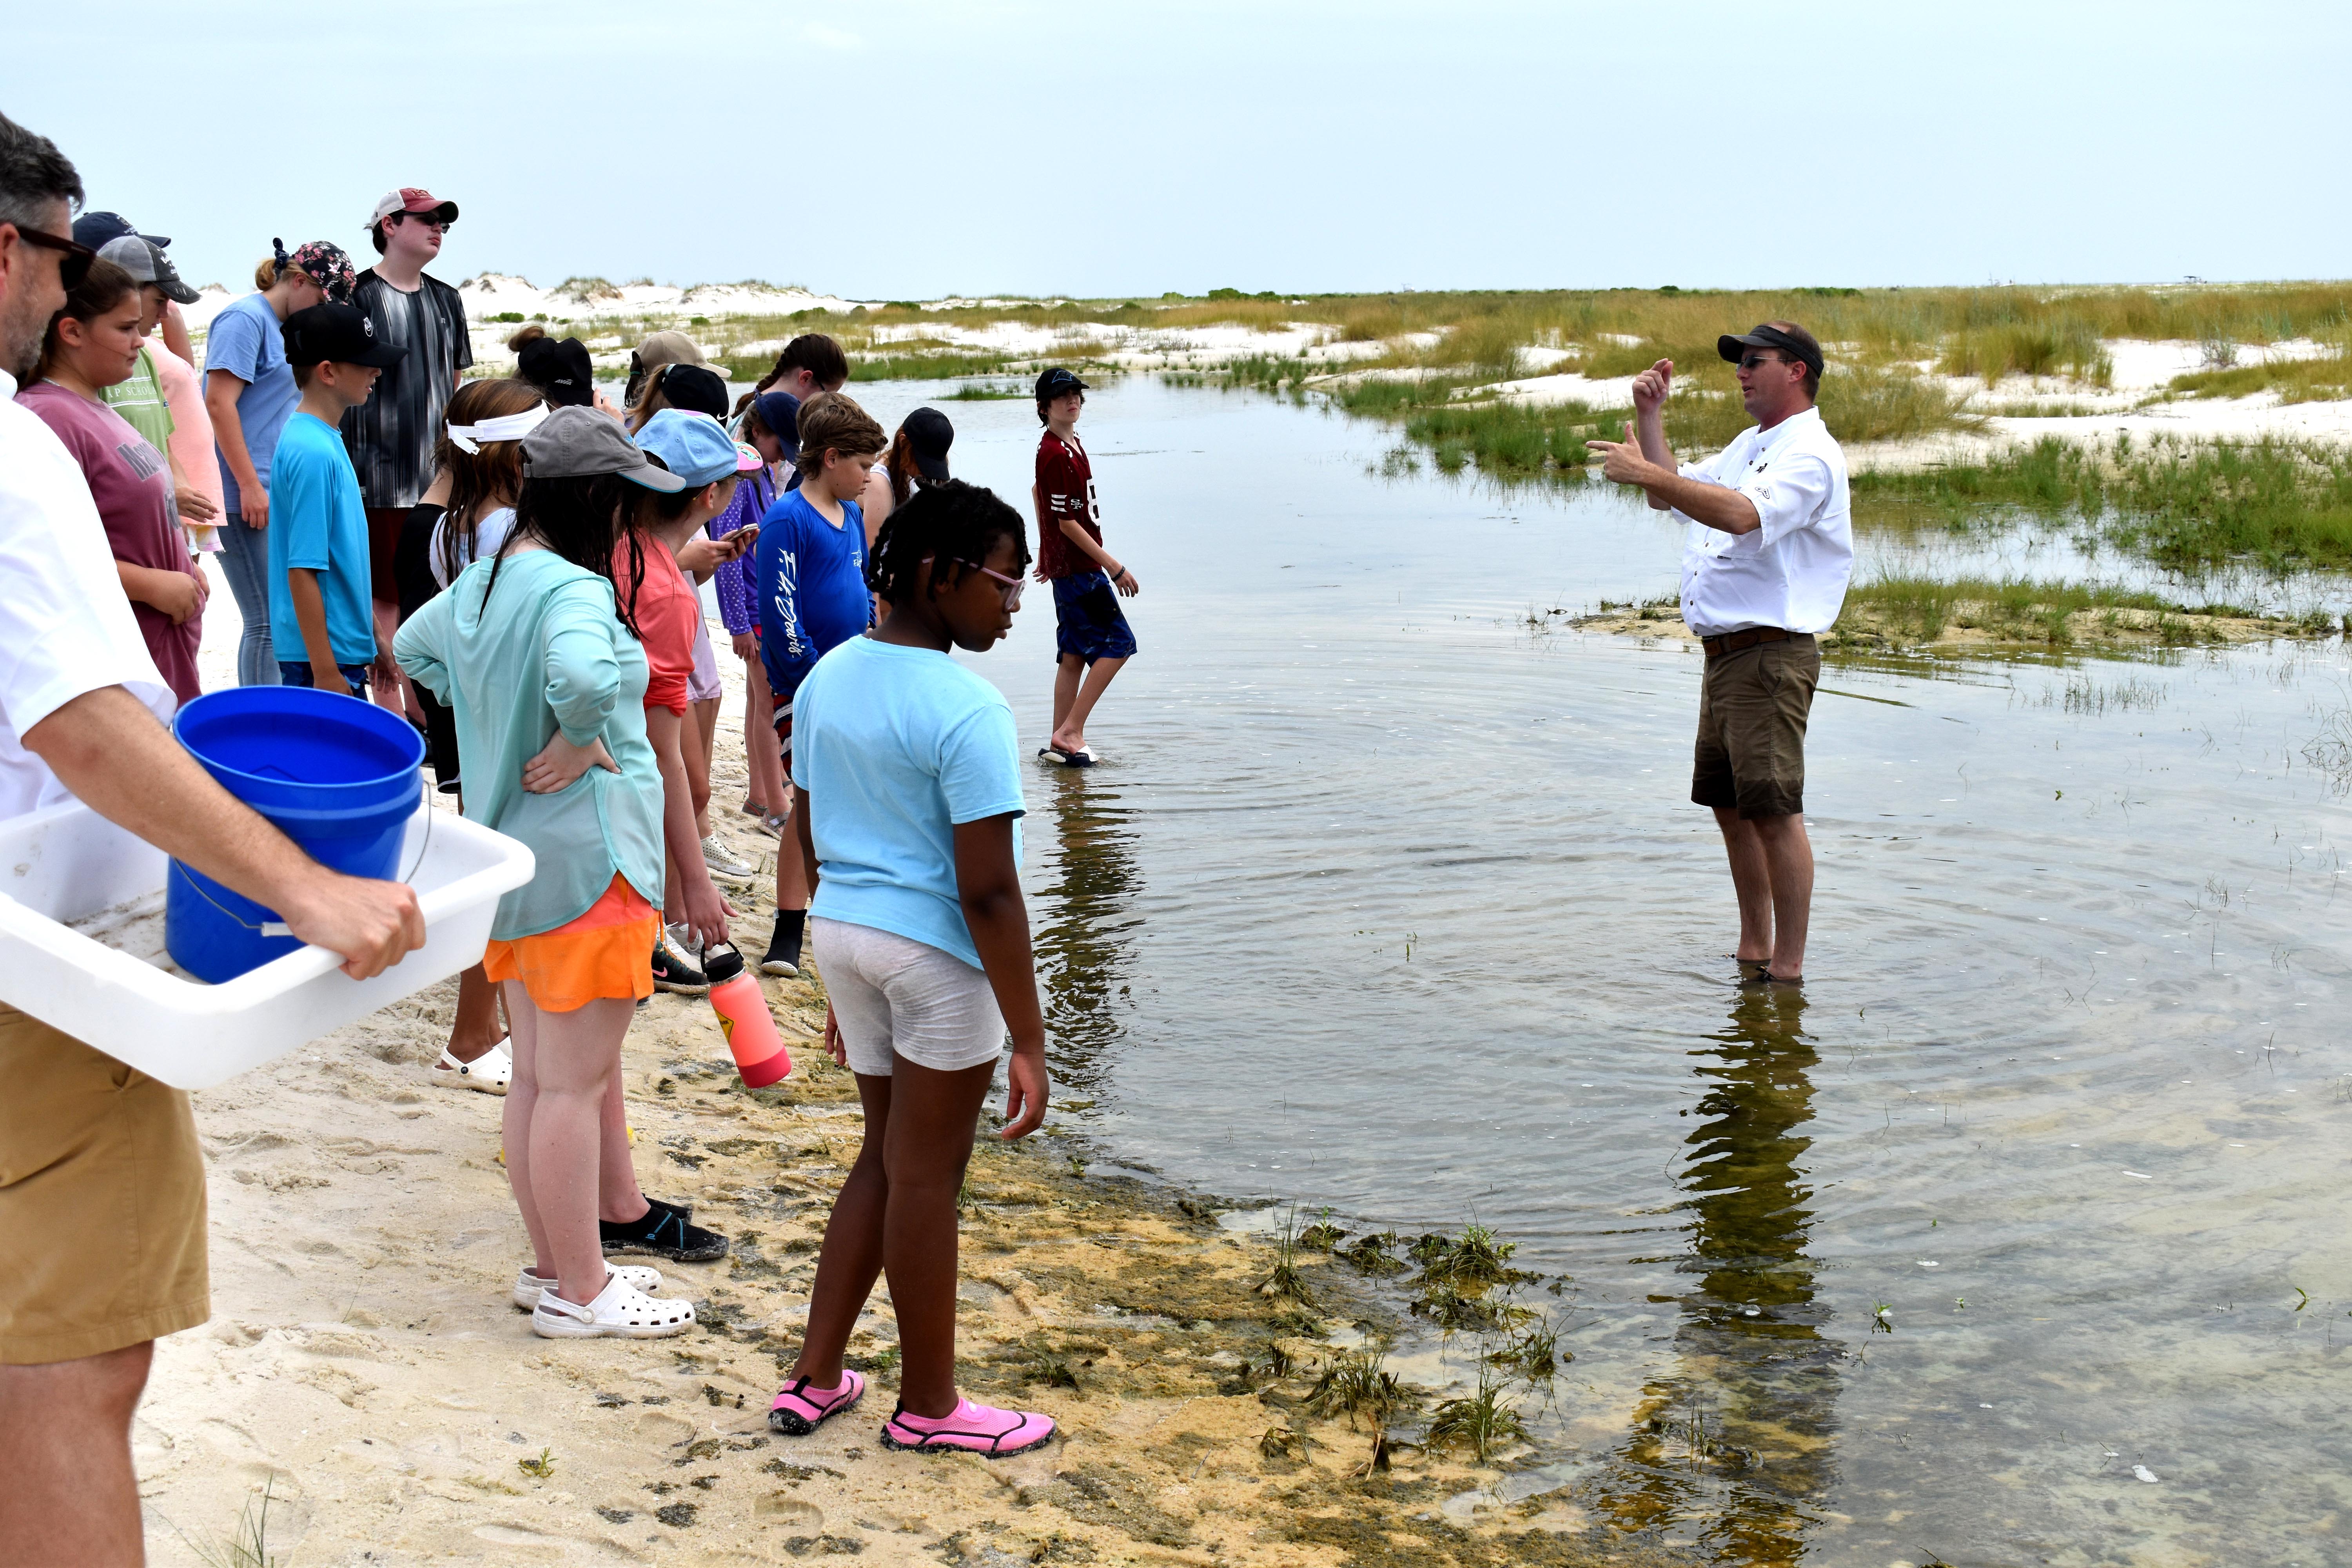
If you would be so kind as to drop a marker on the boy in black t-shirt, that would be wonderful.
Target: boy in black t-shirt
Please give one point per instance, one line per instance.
(1092, 639)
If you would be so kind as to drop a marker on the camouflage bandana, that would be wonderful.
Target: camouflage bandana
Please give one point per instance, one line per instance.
(326, 264)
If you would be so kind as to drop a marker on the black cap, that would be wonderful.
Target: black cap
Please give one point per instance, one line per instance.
(695, 388)
(562, 370)
(94, 229)
(1794, 341)
(338, 334)
(1054, 382)
(928, 437)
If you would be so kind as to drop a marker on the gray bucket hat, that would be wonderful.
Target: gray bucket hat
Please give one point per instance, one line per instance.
(574, 443)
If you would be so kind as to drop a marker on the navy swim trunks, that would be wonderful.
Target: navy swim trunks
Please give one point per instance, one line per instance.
(1088, 621)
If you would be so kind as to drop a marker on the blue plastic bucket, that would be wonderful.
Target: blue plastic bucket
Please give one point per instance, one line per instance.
(339, 776)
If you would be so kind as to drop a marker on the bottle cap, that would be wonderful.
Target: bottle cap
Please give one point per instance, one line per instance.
(721, 963)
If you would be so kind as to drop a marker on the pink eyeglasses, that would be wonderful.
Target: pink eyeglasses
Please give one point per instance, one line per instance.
(1013, 586)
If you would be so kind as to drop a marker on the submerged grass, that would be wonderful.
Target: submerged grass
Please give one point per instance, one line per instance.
(2187, 505)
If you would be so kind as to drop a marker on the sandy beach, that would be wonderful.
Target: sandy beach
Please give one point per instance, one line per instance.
(365, 1370)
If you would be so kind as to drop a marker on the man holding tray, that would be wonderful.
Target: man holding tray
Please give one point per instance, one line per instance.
(101, 1181)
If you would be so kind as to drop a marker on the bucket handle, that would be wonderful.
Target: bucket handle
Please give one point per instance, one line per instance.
(279, 928)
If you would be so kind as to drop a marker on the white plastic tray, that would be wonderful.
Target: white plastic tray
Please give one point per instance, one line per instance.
(81, 946)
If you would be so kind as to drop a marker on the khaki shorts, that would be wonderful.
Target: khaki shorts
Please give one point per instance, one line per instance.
(101, 1202)
(1752, 708)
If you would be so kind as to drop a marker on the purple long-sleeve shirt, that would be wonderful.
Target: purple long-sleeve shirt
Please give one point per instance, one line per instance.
(739, 603)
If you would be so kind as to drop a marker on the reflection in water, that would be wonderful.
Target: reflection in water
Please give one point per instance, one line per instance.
(1734, 1439)
(1083, 923)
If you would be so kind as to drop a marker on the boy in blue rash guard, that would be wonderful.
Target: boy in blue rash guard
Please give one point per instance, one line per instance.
(810, 576)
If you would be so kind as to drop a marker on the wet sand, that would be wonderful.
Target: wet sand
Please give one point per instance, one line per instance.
(365, 1364)
(1862, 629)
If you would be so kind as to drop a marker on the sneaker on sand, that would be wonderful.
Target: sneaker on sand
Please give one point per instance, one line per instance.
(490, 1072)
(662, 1232)
(971, 1429)
(673, 971)
(726, 866)
(528, 1285)
(620, 1310)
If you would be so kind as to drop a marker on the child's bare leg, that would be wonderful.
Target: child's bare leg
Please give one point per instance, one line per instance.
(1070, 730)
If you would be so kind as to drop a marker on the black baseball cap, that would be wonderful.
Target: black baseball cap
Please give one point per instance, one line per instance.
(1792, 341)
(695, 388)
(928, 437)
(95, 229)
(338, 334)
(1054, 382)
(562, 370)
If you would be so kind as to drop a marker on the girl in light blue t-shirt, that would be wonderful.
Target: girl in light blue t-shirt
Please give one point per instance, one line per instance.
(908, 779)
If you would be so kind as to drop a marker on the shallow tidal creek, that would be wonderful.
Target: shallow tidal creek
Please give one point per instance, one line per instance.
(2018, 1236)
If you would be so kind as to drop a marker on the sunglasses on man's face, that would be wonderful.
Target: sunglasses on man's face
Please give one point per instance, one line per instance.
(427, 219)
(1749, 361)
(74, 267)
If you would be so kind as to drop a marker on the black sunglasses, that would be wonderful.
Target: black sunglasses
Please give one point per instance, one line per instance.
(78, 257)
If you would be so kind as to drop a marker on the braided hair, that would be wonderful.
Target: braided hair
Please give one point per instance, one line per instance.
(952, 522)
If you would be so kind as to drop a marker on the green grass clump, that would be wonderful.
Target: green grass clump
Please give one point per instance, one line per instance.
(2187, 505)
(1356, 1385)
(2041, 346)
(2321, 378)
(1481, 1423)
(1474, 1260)
(1921, 607)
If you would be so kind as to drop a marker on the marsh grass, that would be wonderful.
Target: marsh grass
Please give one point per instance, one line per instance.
(1285, 1280)
(1922, 607)
(2320, 378)
(2037, 346)
(1357, 1384)
(1482, 1423)
(1476, 1259)
(2187, 505)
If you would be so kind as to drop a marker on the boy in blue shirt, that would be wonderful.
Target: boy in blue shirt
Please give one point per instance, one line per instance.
(810, 575)
(319, 585)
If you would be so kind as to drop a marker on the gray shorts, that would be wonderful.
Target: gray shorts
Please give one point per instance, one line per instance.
(893, 997)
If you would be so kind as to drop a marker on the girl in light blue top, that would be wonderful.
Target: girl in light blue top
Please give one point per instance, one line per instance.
(542, 668)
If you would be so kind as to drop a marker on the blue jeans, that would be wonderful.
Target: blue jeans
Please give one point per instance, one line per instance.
(245, 561)
(297, 672)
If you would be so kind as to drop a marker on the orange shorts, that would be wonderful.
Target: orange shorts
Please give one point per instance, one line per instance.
(606, 953)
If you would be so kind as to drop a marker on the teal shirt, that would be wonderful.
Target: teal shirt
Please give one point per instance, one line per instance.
(549, 654)
(316, 520)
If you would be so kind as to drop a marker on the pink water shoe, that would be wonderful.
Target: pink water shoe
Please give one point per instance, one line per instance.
(970, 1429)
(800, 1410)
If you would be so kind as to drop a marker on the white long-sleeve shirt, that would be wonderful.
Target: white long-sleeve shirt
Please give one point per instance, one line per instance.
(1792, 572)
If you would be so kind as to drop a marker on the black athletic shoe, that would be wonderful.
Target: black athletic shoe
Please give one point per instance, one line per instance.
(673, 971)
(785, 946)
(663, 1232)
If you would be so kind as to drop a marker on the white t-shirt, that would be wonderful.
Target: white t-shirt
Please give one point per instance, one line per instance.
(488, 534)
(1792, 572)
(66, 625)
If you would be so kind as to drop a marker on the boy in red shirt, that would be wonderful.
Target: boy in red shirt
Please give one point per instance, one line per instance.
(1091, 636)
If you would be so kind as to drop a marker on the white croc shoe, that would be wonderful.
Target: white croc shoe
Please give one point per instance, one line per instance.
(528, 1285)
(620, 1310)
(490, 1072)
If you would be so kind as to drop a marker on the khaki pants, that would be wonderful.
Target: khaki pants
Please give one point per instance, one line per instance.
(102, 1201)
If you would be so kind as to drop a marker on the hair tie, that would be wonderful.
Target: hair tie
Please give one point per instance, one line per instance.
(278, 247)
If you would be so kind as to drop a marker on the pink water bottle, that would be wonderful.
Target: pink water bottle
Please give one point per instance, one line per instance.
(743, 1008)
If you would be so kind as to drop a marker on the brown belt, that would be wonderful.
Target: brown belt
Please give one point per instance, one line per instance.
(1734, 642)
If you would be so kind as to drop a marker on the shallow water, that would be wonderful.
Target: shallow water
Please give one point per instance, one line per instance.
(1381, 899)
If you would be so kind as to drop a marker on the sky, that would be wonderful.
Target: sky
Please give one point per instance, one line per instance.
(906, 149)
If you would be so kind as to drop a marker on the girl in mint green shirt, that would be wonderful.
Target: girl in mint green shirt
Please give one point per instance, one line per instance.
(540, 666)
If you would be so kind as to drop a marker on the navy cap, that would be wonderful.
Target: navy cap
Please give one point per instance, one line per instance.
(928, 437)
(1054, 382)
(337, 334)
(95, 229)
(781, 413)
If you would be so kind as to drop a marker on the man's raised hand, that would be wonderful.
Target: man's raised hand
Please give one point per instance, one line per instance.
(1622, 461)
(1650, 387)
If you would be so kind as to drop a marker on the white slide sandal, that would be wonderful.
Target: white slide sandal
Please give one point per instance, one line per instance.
(620, 1310)
(528, 1285)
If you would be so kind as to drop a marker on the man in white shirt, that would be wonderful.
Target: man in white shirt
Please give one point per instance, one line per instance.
(1766, 562)
(102, 1180)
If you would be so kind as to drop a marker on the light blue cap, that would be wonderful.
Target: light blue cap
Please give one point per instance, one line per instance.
(696, 446)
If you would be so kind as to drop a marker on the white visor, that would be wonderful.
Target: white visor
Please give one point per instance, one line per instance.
(505, 427)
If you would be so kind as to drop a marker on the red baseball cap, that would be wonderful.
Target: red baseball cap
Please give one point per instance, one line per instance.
(411, 199)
